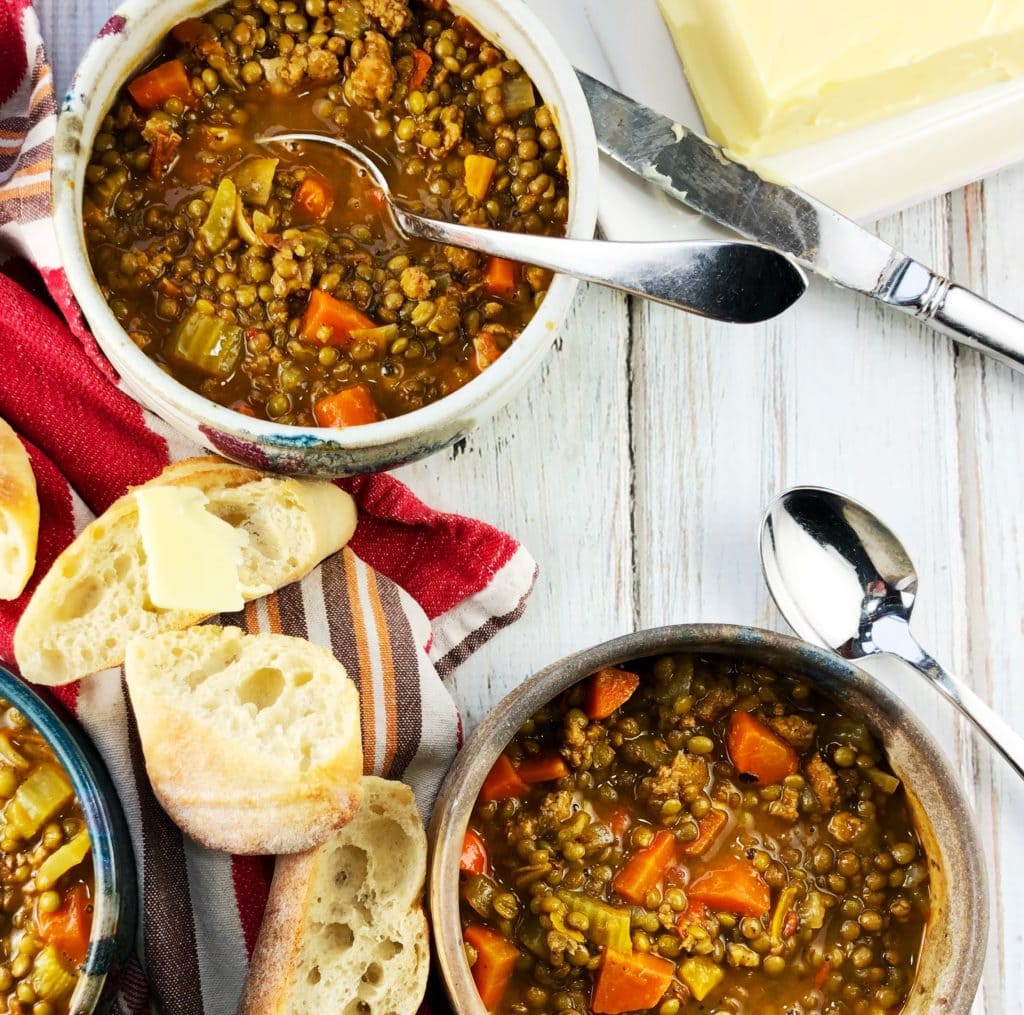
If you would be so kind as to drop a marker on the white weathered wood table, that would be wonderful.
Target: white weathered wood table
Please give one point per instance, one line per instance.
(638, 464)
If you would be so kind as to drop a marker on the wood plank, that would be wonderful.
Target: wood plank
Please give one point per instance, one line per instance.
(986, 255)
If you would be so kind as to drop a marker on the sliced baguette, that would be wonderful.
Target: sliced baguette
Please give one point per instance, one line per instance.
(19, 515)
(252, 742)
(344, 929)
(95, 597)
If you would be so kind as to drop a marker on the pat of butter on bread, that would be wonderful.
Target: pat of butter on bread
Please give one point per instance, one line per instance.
(95, 598)
(192, 556)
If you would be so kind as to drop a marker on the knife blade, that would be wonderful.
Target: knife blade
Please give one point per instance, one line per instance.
(704, 176)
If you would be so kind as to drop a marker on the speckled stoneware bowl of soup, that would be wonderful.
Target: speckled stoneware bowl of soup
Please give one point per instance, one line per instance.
(115, 903)
(126, 42)
(950, 965)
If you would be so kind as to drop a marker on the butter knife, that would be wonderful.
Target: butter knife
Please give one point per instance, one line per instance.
(703, 176)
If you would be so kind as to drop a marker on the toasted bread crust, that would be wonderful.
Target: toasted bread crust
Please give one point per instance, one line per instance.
(303, 899)
(19, 506)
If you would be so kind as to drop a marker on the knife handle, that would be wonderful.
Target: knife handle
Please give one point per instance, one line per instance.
(961, 314)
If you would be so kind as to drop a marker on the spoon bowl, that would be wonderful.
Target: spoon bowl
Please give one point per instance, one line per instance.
(843, 579)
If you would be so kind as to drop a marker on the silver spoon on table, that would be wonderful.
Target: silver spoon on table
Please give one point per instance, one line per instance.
(842, 579)
(736, 282)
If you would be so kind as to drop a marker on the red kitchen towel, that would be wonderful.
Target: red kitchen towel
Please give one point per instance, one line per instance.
(415, 594)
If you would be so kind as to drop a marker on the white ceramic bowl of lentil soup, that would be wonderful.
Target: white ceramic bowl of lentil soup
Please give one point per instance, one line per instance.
(263, 310)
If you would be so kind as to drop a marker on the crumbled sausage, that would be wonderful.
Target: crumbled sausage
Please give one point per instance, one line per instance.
(715, 702)
(393, 15)
(794, 729)
(322, 65)
(845, 827)
(577, 747)
(163, 146)
(785, 808)
(823, 782)
(671, 780)
(416, 283)
(373, 77)
(283, 74)
(554, 809)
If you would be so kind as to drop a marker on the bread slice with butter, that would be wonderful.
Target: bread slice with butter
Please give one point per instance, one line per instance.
(19, 515)
(98, 594)
(344, 929)
(252, 742)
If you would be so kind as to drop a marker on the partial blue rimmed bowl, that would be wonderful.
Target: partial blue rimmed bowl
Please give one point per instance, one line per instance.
(115, 906)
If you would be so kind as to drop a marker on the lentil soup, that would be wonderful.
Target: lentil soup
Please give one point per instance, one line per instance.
(47, 892)
(270, 279)
(683, 834)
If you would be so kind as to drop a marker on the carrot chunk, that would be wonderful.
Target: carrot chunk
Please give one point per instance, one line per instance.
(474, 858)
(67, 928)
(330, 322)
(495, 962)
(546, 768)
(351, 407)
(501, 276)
(502, 781)
(421, 64)
(609, 689)
(645, 869)
(630, 982)
(314, 197)
(759, 752)
(709, 828)
(479, 173)
(732, 887)
(166, 81)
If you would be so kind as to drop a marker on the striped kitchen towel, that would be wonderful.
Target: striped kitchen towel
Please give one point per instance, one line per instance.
(408, 601)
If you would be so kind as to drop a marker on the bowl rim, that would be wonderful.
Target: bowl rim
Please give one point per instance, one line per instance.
(139, 371)
(115, 911)
(963, 961)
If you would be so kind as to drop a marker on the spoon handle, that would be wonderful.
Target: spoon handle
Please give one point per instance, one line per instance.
(741, 283)
(1007, 741)
(892, 635)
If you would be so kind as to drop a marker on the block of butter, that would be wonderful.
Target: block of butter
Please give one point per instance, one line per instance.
(772, 75)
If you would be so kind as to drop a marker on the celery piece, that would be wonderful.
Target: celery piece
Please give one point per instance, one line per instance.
(787, 899)
(51, 979)
(517, 96)
(534, 938)
(379, 337)
(479, 891)
(254, 179)
(608, 924)
(216, 230)
(58, 863)
(37, 799)
(244, 229)
(10, 754)
(208, 344)
(350, 20)
(883, 780)
(701, 975)
(106, 192)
